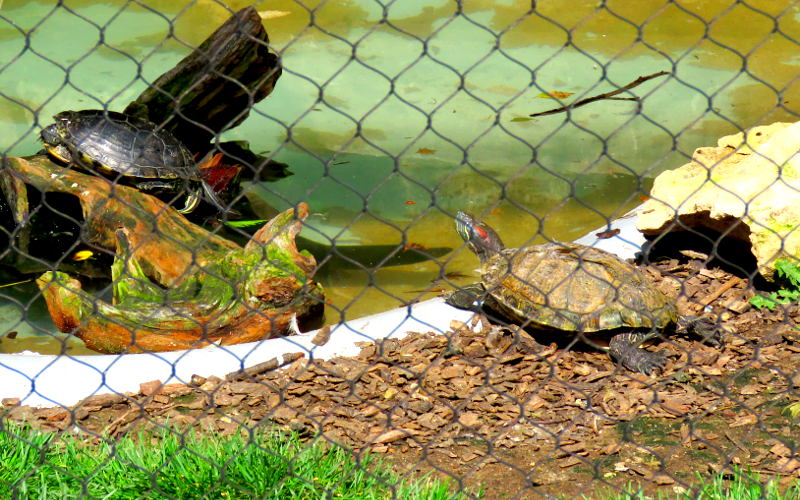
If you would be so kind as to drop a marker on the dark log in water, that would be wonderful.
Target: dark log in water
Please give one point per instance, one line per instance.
(213, 88)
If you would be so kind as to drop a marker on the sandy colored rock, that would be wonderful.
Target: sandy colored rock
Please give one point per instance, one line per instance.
(748, 186)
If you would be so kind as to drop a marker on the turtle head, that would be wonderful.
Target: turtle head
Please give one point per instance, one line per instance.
(480, 238)
(58, 132)
(50, 135)
(55, 138)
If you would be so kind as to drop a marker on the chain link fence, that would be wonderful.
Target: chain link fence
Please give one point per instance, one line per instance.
(349, 223)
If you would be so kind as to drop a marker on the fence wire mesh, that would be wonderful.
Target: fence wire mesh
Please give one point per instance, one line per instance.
(249, 248)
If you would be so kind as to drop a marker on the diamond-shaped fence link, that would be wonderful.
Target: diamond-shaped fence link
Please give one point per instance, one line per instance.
(247, 249)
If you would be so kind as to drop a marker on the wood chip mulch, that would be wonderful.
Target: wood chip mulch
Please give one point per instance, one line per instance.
(483, 394)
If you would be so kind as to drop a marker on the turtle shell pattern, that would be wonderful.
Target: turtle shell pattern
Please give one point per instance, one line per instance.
(125, 144)
(574, 288)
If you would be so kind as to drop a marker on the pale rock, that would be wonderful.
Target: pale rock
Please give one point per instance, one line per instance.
(755, 181)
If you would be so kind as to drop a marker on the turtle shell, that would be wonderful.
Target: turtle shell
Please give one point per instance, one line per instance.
(574, 288)
(115, 142)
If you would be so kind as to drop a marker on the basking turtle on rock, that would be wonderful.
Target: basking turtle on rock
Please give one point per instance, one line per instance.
(574, 290)
(131, 149)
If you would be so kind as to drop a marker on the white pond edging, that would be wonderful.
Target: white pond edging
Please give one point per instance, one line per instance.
(49, 380)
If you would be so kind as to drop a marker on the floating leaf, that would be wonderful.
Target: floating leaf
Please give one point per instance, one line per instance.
(521, 119)
(426, 151)
(555, 94)
(217, 174)
(273, 14)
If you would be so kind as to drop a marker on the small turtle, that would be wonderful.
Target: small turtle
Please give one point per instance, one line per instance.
(575, 290)
(130, 148)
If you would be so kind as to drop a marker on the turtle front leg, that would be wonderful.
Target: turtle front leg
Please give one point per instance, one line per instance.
(703, 327)
(624, 347)
(211, 197)
(192, 200)
(192, 197)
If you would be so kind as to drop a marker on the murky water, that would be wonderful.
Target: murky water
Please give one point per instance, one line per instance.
(394, 142)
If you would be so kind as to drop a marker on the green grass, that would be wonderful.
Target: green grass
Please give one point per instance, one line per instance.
(742, 486)
(270, 465)
(789, 275)
(169, 464)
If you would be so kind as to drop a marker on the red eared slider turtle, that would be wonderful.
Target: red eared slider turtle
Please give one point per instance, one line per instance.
(573, 289)
(131, 148)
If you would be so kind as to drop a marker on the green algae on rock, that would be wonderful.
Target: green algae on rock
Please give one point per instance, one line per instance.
(175, 285)
(248, 294)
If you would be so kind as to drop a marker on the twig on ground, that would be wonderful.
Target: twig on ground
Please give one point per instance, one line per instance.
(720, 290)
(323, 336)
(266, 366)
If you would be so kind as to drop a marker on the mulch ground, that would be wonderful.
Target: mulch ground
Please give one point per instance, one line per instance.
(521, 417)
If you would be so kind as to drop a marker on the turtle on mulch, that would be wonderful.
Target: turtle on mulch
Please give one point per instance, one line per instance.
(576, 290)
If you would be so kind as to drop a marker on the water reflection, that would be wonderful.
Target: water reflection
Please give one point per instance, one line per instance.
(25, 325)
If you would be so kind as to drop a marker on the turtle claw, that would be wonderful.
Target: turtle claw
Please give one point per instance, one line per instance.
(645, 361)
(625, 349)
(704, 328)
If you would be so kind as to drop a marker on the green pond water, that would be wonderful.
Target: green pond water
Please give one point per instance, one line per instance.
(392, 118)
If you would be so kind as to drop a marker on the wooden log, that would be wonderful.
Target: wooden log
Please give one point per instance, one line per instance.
(213, 88)
(156, 228)
(240, 297)
(174, 284)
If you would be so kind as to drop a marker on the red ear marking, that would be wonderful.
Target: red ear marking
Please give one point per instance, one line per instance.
(481, 232)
